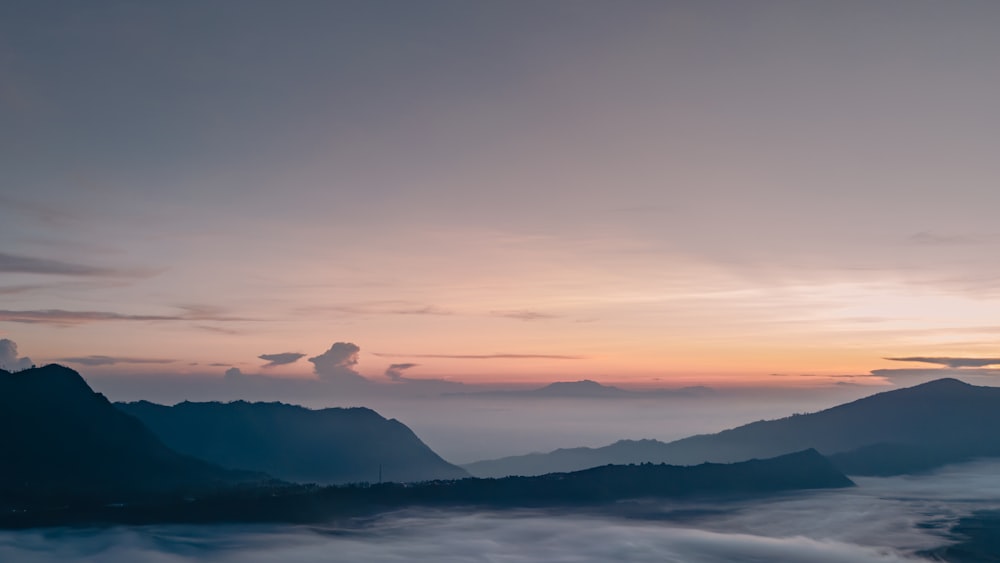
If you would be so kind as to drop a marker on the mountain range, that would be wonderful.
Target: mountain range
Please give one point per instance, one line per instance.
(893, 432)
(72, 457)
(293, 443)
(595, 487)
(62, 441)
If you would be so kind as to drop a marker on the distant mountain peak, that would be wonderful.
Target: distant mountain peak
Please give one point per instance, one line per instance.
(580, 383)
(72, 442)
(946, 382)
(943, 385)
(578, 386)
(51, 379)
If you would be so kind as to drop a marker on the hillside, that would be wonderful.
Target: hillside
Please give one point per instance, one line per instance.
(935, 423)
(294, 443)
(62, 441)
(592, 487)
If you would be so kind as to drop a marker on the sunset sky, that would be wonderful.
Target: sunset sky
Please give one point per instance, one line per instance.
(656, 193)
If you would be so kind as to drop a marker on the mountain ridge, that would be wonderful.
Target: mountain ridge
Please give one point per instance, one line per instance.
(595, 487)
(65, 440)
(291, 442)
(948, 418)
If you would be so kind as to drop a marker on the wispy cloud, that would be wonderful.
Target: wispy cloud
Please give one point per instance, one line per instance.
(395, 371)
(16, 264)
(950, 362)
(927, 238)
(219, 329)
(99, 360)
(483, 356)
(61, 317)
(386, 308)
(281, 359)
(45, 213)
(523, 315)
(16, 289)
(860, 377)
(207, 313)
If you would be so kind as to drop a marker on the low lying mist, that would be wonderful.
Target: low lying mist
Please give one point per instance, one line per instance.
(882, 520)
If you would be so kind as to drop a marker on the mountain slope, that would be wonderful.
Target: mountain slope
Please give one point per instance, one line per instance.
(61, 440)
(937, 422)
(302, 504)
(806, 469)
(325, 446)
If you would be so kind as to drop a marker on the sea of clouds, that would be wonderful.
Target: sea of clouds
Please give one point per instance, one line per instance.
(881, 520)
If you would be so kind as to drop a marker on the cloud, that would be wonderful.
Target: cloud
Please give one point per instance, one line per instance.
(927, 238)
(233, 374)
(387, 308)
(206, 313)
(41, 212)
(483, 356)
(218, 330)
(98, 360)
(915, 376)
(950, 362)
(523, 315)
(15, 289)
(281, 359)
(452, 536)
(337, 363)
(14, 264)
(395, 371)
(9, 359)
(61, 317)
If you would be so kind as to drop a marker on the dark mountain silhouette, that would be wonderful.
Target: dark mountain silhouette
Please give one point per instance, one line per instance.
(572, 459)
(588, 389)
(592, 487)
(295, 443)
(806, 469)
(62, 442)
(900, 431)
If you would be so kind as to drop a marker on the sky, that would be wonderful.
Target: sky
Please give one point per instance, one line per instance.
(660, 193)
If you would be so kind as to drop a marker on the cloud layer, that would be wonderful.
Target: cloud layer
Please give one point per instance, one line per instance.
(902, 516)
(60, 317)
(15, 264)
(444, 537)
(99, 360)
(501, 356)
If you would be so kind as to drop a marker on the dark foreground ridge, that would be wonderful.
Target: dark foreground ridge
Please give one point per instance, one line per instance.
(62, 442)
(977, 540)
(293, 443)
(302, 504)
